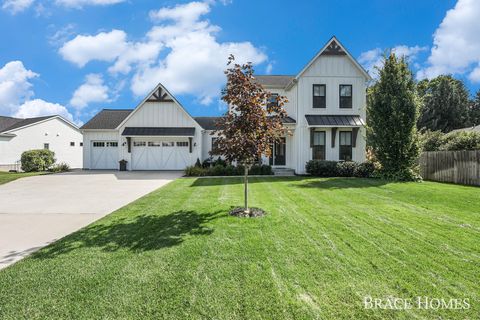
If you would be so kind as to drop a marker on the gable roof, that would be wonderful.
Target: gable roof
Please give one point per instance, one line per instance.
(333, 47)
(276, 81)
(107, 119)
(157, 95)
(16, 123)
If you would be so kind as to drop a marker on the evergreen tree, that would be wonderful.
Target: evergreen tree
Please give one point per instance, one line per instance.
(445, 104)
(474, 111)
(392, 110)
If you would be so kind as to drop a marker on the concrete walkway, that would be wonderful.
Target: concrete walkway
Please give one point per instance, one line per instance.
(36, 211)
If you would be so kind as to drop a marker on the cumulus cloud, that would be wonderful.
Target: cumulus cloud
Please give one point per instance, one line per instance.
(39, 107)
(456, 43)
(373, 59)
(105, 46)
(92, 90)
(15, 6)
(15, 86)
(16, 93)
(181, 51)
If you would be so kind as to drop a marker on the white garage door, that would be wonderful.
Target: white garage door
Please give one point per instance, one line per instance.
(160, 154)
(104, 155)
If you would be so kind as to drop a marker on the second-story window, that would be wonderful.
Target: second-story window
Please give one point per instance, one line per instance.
(345, 96)
(272, 100)
(319, 96)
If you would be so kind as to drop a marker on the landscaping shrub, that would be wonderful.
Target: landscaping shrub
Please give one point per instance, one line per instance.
(37, 160)
(346, 168)
(461, 140)
(60, 167)
(431, 140)
(364, 170)
(226, 170)
(198, 164)
(322, 168)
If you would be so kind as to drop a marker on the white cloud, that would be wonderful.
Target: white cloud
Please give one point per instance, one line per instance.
(93, 90)
(39, 107)
(105, 46)
(82, 3)
(373, 59)
(15, 86)
(181, 51)
(456, 48)
(16, 92)
(16, 6)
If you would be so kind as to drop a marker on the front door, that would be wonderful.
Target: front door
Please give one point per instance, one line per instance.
(278, 157)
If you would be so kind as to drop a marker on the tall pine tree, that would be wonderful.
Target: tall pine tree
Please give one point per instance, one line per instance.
(392, 114)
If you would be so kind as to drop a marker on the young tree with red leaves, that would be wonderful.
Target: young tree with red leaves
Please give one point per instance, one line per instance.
(253, 121)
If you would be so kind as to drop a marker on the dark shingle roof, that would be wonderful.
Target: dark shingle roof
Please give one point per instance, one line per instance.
(15, 123)
(207, 123)
(334, 120)
(288, 119)
(279, 81)
(107, 119)
(158, 131)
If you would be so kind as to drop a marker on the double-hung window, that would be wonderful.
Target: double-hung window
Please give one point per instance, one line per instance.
(319, 96)
(345, 145)
(345, 96)
(318, 148)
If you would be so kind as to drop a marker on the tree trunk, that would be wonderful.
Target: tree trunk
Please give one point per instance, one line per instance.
(245, 181)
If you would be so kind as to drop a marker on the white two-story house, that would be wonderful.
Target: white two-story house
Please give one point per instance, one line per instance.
(326, 118)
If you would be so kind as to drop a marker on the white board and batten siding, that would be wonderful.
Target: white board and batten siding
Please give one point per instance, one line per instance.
(97, 156)
(61, 137)
(331, 71)
(162, 114)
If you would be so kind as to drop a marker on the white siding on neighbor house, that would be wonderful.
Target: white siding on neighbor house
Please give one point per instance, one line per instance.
(56, 132)
(96, 135)
(207, 144)
(161, 114)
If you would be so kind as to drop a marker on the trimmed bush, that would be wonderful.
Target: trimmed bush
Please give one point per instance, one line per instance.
(60, 167)
(431, 140)
(37, 160)
(461, 140)
(322, 168)
(346, 168)
(227, 170)
(364, 170)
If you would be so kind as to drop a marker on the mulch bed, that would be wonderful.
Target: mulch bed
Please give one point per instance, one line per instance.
(252, 212)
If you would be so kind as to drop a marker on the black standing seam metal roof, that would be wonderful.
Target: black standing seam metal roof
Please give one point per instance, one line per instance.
(9, 124)
(334, 120)
(159, 131)
(107, 119)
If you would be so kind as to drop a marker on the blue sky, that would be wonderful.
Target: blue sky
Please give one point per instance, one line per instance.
(75, 57)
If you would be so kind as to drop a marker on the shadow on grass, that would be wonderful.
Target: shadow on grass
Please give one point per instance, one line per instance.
(142, 233)
(217, 181)
(342, 183)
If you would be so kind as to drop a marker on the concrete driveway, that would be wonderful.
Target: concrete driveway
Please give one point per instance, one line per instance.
(36, 211)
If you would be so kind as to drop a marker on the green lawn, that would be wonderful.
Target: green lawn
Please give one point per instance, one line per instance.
(324, 245)
(10, 176)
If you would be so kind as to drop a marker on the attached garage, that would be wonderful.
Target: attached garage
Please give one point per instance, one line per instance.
(104, 155)
(160, 154)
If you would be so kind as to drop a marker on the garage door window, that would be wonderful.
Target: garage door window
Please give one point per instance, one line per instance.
(99, 144)
(168, 144)
(112, 144)
(139, 143)
(154, 144)
(182, 144)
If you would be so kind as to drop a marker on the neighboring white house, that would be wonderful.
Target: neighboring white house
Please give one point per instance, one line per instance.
(326, 115)
(50, 132)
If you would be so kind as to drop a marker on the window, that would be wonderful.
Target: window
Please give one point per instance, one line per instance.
(168, 144)
(139, 143)
(318, 149)
(214, 146)
(346, 145)
(182, 143)
(319, 96)
(272, 100)
(72, 144)
(345, 96)
(112, 144)
(98, 144)
(46, 146)
(81, 144)
(154, 144)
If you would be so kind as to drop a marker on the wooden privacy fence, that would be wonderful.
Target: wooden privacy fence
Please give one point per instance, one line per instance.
(462, 167)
